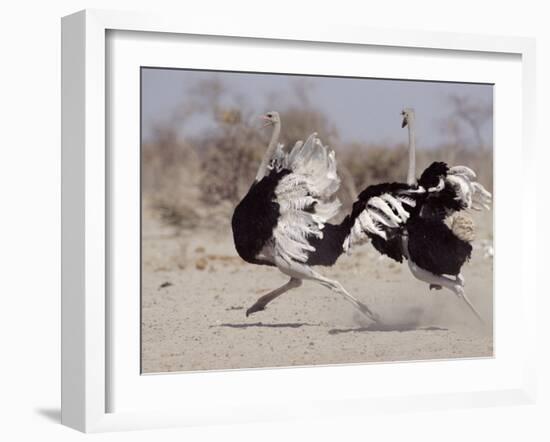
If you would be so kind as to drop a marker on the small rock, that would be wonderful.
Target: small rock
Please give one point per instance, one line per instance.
(201, 263)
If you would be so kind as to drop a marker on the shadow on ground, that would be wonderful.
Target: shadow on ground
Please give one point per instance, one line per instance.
(412, 326)
(261, 324)
(384, 328)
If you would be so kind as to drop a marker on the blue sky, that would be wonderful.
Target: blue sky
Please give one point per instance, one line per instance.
(363, 110)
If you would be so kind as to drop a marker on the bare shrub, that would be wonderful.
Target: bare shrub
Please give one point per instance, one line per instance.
(301, 121)
(170, 175)
(195, 180)
(377, 164)
(230, 160)
(464, 126)
(374, 164)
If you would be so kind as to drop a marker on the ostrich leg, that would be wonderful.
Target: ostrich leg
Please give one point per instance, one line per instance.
(301, 271)
(459, 290)
(456, 286)
(262, 302)
(437, 281)
(335, 286)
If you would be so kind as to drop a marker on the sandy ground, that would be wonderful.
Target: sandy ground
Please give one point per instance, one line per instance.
(195, 292)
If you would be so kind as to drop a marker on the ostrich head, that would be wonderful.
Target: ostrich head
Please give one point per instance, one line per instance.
(271, 118)
(408, 116)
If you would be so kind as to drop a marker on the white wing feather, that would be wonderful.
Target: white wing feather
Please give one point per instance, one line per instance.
(381, 214)
(396, 205)
(384, 207)
(306, 199)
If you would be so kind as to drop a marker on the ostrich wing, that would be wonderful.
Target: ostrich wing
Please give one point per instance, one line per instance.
(380, 213)
(306, 199)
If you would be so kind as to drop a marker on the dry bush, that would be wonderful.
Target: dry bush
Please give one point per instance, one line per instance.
(230, 160)
(299, 122)
(374, 164)
(198, 180)
(377, 164)
(170, 175)
(466, 122)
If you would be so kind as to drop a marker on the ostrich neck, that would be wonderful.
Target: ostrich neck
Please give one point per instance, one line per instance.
(271, 148)
(411, 175)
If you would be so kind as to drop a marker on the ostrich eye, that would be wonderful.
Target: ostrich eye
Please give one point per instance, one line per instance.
(269, 115)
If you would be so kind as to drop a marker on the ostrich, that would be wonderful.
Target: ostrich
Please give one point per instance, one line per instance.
(283, 219)
(423, 222)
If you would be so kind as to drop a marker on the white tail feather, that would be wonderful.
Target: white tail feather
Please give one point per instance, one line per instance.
(470, 192)
(463, 170)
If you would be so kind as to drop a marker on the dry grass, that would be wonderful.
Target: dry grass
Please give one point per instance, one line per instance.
(188, 184)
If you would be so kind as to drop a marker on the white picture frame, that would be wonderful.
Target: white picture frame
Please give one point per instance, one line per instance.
(86, 315)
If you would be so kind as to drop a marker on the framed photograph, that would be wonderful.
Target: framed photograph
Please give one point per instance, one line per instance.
(267, 222)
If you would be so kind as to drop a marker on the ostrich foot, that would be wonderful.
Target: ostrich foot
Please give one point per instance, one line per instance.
(459, 291)
(261, 303)
(435, 287)
(255, 308)
(456, 285)
(368, 312)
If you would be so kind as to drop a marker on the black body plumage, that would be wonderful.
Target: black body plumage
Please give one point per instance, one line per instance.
(329, 248)
(432, 245)
(255, 217)
(439, 204)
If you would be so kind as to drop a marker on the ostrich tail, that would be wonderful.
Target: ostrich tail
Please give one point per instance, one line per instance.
(317, 162)
(462, 226)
